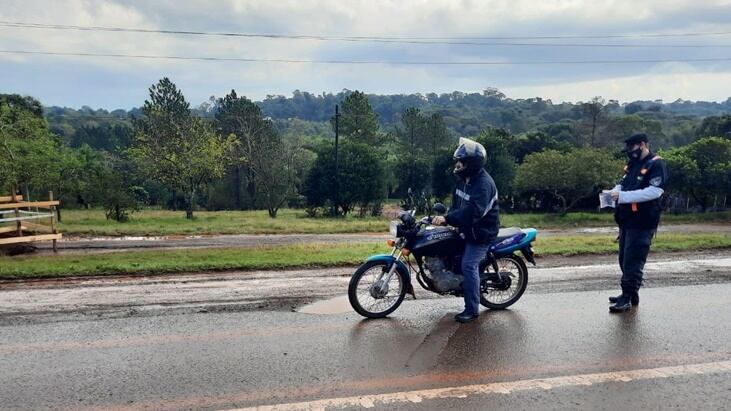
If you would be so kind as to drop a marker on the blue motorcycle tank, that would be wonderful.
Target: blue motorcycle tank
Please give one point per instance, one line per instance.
(440, 241)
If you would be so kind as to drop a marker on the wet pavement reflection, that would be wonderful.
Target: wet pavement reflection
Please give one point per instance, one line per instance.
(228, 360)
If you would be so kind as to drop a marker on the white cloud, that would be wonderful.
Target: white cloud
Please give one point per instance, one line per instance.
(691, 85)
(31, 74)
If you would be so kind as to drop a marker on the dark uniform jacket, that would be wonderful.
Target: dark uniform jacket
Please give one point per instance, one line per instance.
(639, 175)
(475, 209)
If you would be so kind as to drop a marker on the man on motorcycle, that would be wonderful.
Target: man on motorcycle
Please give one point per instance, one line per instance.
(475, 212)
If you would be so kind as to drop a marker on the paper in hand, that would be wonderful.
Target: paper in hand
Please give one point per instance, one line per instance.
(605, 199)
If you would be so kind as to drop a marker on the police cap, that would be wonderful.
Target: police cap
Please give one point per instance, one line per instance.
(636, 139)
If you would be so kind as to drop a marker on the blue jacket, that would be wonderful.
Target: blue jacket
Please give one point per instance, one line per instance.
(475, 209)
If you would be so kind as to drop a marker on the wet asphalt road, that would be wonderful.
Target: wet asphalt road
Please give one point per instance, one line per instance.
(119, 296)
(559, 350)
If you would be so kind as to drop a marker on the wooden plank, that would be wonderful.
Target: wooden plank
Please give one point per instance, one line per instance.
(8, 199)
(23, 204)
(30, 238)
(28, 226)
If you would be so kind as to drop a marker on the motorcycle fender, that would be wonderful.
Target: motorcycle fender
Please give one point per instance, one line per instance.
(388, 259)
(528, 254)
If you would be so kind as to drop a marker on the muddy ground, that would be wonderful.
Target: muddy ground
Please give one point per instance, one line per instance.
(123, 296)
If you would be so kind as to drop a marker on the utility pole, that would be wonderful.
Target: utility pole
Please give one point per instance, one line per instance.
(337, 181)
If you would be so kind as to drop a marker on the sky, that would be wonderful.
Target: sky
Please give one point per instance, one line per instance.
(115, 82)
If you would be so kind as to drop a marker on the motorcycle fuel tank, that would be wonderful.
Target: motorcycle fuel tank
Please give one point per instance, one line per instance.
(438, 241)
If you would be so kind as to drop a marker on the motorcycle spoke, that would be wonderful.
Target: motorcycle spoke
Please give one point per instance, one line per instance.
(367, 281)
(497, 295)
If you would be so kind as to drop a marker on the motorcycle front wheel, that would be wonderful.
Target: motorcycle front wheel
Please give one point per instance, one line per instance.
(500, 292)
(370, 296)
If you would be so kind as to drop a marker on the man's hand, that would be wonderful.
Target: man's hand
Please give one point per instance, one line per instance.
(438, 220)
(615, 196)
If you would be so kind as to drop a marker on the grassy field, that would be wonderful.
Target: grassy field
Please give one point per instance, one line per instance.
(163, 222)
(295, 256)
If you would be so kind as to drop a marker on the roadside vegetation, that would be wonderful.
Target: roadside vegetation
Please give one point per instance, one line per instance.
(296, 256)
(290, 221)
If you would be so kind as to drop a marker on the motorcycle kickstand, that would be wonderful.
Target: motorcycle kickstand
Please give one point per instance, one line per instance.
(410, 290)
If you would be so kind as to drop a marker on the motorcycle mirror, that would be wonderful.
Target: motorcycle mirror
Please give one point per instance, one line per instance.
(439, 208)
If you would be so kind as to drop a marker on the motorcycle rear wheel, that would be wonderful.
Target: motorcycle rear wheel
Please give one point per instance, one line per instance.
(361, 291)
(492, 294)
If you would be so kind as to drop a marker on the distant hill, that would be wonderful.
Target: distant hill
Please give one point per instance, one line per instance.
(465, 114)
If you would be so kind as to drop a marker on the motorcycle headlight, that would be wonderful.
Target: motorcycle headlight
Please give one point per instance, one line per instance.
(393, 229)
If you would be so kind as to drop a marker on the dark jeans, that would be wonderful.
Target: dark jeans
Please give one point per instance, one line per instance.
(634, 245)
(473, 254)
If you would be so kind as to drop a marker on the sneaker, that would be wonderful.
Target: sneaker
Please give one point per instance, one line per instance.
(465, 317)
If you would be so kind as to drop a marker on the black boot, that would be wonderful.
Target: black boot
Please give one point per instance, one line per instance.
(465, 317)
(635, 299)
(623, 303)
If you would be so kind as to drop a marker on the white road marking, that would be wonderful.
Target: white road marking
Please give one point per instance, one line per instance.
(369, 401)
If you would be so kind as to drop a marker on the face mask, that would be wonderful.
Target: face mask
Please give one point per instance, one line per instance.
(460, 170)
(635, 154)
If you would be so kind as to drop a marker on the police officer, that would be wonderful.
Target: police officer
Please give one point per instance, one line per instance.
(637, 214)
(475, 212)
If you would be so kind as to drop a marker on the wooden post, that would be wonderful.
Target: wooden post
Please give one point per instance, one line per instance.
(14, 199)
(53, 220)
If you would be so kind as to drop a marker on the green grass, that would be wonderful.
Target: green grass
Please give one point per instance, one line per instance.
(602, 244)
(295, 256)
(163, 222)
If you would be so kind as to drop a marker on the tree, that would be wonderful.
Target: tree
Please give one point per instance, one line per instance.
(420, 139)
(274, 165)
(362, 178)
(240, 117)
(535, 142)
(23, 103)
(443, 178)
(595, 111)
(27, 150)
(357, 121)
(570, 177)
(619, 128)
(412, 168)
(436, 136)
(413, 171)
(175, 148)
(701, 169)
(411, 133)
(719, 126)
(500, 161)
(113, 184)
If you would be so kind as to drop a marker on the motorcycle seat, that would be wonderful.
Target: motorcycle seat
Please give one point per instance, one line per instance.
(506, 233)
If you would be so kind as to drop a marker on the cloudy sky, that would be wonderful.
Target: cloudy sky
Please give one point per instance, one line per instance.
(122, 82)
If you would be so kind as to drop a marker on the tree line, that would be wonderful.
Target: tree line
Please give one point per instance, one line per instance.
(229, 154)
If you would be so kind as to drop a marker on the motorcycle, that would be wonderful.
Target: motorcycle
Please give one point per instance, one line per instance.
(379, 286)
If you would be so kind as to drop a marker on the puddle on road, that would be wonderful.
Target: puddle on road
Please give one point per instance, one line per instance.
(336, 305)
(132, 238)
(598, 230)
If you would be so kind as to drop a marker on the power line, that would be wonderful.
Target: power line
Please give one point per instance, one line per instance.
(404, 40)
(366, 62)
